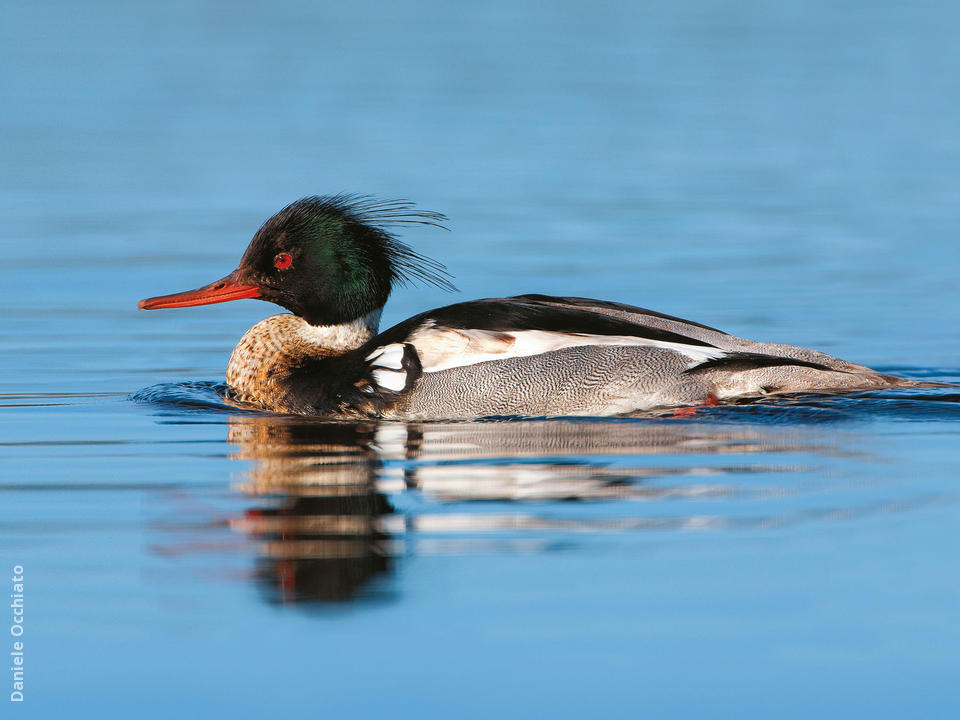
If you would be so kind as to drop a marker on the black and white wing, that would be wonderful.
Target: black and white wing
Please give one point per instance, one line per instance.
(504, 329)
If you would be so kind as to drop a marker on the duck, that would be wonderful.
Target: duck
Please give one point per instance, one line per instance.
(332, 262)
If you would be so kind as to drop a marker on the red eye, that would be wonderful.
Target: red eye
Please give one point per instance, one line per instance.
(282, 261)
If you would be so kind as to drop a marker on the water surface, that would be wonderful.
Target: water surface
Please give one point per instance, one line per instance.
(784, 171)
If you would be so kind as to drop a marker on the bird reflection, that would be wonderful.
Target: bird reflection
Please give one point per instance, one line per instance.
(319, 533)
(327, 532)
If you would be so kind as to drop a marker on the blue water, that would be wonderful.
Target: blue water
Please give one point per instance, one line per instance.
(786, 171)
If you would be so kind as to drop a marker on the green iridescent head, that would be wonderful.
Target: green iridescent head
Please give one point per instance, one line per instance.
(332, 259)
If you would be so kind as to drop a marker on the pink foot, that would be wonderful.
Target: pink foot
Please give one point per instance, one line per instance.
(692, 410)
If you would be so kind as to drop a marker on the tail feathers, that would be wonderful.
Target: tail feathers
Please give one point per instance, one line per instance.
(742, 374)
(899, 382)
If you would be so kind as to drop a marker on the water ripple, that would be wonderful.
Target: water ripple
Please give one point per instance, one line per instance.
(199, 396)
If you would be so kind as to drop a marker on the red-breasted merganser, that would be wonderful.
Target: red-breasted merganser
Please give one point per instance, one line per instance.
(332, 262)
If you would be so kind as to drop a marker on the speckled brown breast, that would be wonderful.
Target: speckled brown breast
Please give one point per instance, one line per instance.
(260, 366)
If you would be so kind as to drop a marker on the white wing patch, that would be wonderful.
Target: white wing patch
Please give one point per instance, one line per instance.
(388, 356)
(388, 364)
(445, 348)
(394, 380)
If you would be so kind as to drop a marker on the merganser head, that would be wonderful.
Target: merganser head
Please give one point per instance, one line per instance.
(329, 260)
